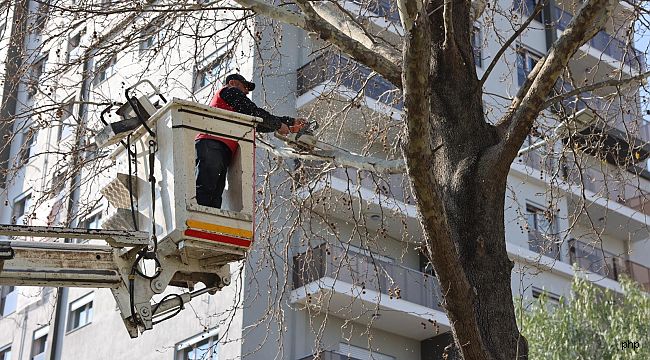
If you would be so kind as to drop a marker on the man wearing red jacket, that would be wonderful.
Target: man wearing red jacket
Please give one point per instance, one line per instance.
(214, 154)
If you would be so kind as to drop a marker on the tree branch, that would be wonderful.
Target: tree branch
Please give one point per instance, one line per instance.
(339, 158)
(388, 69)
(516, 124)
(447, 15)
(506, 45)
(328, 12)
(598, 85)
(274, 12)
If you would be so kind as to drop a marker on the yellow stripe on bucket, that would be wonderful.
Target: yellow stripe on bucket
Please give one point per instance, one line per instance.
(219, 228)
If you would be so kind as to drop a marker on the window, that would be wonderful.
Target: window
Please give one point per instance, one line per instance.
(477, 44)
(591, 257)
(213, 68)
(151, 36)
(35, 72)
(361, 353)
(66, 126)
(74, 46)
(526, 8)
(80, 312)
(39, 343)
(8, 300)
(552, 299)
(542, 235)
(38, 16)
(201, 347)
(104, 70)
(5, 352)
(21, 206)
(29, 139)
(92, 222)
(526, 62)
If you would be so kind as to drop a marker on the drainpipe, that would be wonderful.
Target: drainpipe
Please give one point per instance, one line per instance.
(62, 292)
(13, 64)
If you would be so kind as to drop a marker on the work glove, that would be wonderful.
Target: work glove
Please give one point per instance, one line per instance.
(298, 124)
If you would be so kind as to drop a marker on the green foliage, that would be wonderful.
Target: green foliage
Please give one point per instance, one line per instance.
(594, 324)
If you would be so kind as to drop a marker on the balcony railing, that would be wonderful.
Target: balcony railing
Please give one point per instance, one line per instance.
(605, 43)
(629, 192)
(545, 244)
(328, 355)
(395, 186)
(367, 273)
(593, 258)
(382, 8)
(338, 70)
(537, 160)
(627, 120)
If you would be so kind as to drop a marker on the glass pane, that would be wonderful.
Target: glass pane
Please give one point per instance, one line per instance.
(9, 303)
(90, 313)
(82, 317)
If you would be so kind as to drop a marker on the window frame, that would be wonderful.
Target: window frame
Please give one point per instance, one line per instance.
(36, 71)
(527, 54)
(212, 337)
(553, 298)
(477, 45)
(526, 8)
(73, 51)
(29, 135)
(81, 306)
(211, 62)
(64, 120)
(537, 235)
(39, 334)
(25, 198)
(7, 291)
(150, 37)
(104, 70)
(4, 351)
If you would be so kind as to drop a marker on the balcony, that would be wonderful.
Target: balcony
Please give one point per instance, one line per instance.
(623, 188)
(605, 43)
(381, 8)
(369, 289)
(395, 186)
(617, 134)
(543, 243)
(328, 355)
(338, 72)
(599, 261)
(381, 203)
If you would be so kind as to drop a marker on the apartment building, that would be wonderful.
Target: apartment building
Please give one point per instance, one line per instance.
(346, 281)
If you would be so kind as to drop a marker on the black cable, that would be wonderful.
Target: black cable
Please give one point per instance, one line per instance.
(155, 309)
(132, 296)
(153, 148)
(130, 184)
(178, 310)
(143, 254)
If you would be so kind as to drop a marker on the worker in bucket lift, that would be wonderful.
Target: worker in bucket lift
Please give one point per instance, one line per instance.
(214, 154)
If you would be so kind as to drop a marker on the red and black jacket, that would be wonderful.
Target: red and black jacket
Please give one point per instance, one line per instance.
(233, 99)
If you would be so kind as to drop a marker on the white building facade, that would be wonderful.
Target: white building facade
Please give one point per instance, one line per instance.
(335, 271)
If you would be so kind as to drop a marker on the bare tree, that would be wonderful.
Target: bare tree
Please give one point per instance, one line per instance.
(455, 140)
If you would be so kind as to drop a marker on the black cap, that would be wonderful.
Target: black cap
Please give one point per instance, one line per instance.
(249, 85)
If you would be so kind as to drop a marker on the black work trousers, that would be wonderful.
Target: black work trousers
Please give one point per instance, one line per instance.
(212, 160)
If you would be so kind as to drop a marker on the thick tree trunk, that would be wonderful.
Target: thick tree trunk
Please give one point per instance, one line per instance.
(466, 238)
(459, 190)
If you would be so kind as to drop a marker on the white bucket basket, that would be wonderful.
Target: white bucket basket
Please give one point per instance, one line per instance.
(210, 234)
